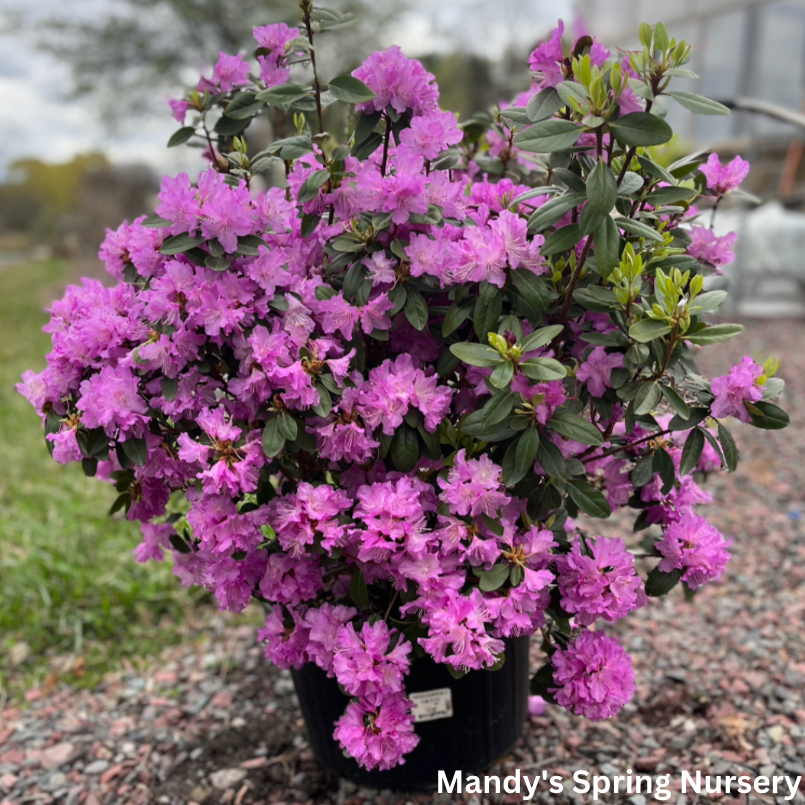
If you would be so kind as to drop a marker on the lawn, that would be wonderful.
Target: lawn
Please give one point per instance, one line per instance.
(73, 602)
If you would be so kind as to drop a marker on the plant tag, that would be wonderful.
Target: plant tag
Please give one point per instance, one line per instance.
(432, 704)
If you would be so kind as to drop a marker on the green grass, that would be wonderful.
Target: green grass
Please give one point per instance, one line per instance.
(68, 583)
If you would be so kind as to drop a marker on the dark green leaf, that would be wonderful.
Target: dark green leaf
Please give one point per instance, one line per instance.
(714, 334)
(691, 452)
(416, 309)
(273, 440)
(664, 465)
(550, 212)
(543, 105)
(349, 89)
(525, 454)
(698, 104)
(170, 387)
(639, 229)
(287, 426)
(659, 583)
(90, 466)
(728, 447)
(588, 499)
(602, 189)
(325, 401)
(491, 580)
(648, 397)
(548, 136)
(664, 196)
(476, 354)
(543, 369)
(498, 408)
(181, 136)
(551, 459)
(773, 417)
(676, 402)
(541, 337)
(542, 683)
(532, 288)
(487, 311)
(456, 315)
(180, 243)
(353, 280)
(502, 375)
(576, 428)
(358, 591)
(606, 240)
(282, 96)
(562, 240)
(309, 224)
(155, 222)
(697, 415)
(363, 150)
(647, 330)
(404, 448)
(365, 125)
(643, 471)
(310, 187)
(136, 450)
(641, 128)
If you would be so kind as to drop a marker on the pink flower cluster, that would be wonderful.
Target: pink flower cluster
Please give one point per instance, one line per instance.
(271, 388)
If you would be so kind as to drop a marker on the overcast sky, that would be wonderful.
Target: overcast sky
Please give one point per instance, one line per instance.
(37, 120)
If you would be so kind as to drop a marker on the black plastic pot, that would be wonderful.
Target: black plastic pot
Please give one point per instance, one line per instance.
(489, 708)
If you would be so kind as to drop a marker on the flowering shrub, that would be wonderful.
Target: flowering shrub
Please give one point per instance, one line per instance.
(387, 399)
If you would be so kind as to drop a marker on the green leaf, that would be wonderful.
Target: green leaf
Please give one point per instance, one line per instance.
(365, 125)
(664, 465)
(588, 499)
(656, 171)
(349, 89)
(229, 126)
(325, 401)
(596, 298)
(502, 375)
(698, 104)
(542, 682)
(697, 415)
(181, 136)
(491, 580)
(647, 398)
(602, 189)
(676, 402)
(287, 426)
(691, 452)
(525, 454)
(291, 147)
(487, 311)
(498, 408)
(647, 330)
(136, 450)
(548, 136)
(273, 440)
(631, 183)
(576, 428)
(404, 450)
(664, 196)
(550, 212)
(543, 105)
(416, 309)
(310, 187)
(551, 459)
(363, 150)
(562, 240)
(90, 466)
(282, 96)
(180, 243)
(309, 224)
(358, 591)
(532, 288)
(707, 302)
(640, 129)
(606, 242)
(639, 229)
(177, 543)
(170, 388)
(244, 106)
(728, 447)
(539, 338)
(353, 279)
(643, 471)
(659, 583)
(348, 244)
(155, 222)
(714, 334)
(217, 263)
(456, 315)
(543, 369)
(774, 418)
(476, 354)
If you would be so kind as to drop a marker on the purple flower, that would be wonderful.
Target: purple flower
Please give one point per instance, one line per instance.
(735, 389)
(693, 545)
(601, 583)
(473, 486)
(595, 675)
(227, 214)
(179, 108)
(546, 60)
(709, 248)
(324, 624)
(155, 537)
(284, 645)
(291, 580)
(724, 179)
(378, 736)
(431, 134)
(597, 370)
(231, 71)
(111, 400)
(399, 81)
(366, 665)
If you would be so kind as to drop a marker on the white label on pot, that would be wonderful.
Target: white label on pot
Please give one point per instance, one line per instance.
(432, 704)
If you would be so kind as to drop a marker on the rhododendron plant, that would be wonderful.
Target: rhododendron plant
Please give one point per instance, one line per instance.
(389, 398)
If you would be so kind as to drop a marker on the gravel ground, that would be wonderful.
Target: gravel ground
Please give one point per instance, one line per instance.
(721, 683)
